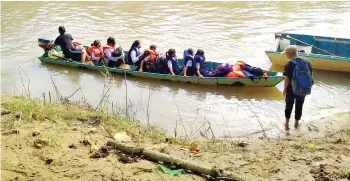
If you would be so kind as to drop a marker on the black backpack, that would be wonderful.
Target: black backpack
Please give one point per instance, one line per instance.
(160, 65)
(253, 70)
(117, 52)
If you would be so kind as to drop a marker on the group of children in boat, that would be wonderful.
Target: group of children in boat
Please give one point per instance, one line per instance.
(150, 60)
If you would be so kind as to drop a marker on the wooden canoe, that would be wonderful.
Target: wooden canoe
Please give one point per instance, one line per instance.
(271, 80)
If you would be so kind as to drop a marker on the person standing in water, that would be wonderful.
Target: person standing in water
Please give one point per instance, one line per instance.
(297, 84)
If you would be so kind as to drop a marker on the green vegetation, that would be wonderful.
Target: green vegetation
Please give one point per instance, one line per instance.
(30, 110)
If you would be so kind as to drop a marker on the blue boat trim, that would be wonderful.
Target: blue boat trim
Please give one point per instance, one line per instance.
(325, 45)
(329, 57)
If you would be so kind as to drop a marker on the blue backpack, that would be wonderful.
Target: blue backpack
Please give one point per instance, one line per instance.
(302, 78)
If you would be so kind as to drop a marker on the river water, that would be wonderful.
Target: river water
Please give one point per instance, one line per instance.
(227, 31)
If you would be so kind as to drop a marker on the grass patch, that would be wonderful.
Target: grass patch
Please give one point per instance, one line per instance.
(66, 113)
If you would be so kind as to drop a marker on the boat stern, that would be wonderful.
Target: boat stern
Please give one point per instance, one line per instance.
(277, 58)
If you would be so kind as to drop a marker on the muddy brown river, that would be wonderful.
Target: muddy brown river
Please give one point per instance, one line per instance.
(226, 31)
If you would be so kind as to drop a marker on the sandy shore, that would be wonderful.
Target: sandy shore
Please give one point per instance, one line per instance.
(48, 142)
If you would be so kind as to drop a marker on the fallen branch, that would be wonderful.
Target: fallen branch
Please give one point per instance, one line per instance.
(157, 156)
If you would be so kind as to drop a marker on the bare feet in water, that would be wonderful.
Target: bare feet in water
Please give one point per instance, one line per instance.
(286, 125)
(296, 124)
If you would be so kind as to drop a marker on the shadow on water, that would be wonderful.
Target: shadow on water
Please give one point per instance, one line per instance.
(240, 93)
(332, 78)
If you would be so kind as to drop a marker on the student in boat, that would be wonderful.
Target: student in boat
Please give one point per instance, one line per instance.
(134, 54)
(114, 55)
(96, 52)
(189, 63)
(73, 50)
(201, 66)
(160, 66)
(172, 63)
(149, 56)
(291, 89)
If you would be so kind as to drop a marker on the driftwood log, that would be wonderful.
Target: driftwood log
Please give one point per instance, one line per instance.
(157, 156)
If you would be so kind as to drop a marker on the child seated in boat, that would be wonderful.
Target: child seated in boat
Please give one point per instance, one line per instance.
(189, 63)
(172, 63)
(134, 54)
(201, 65)
(147, 58)
(114, 55)
(96, 53)
(160, 65)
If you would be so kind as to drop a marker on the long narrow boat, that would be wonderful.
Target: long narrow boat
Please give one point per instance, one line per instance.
(271, 80)
(326, 53)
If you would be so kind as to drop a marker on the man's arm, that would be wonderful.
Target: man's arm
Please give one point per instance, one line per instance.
(286, 83)
(288, 73)
(108, 54)
(170, 66)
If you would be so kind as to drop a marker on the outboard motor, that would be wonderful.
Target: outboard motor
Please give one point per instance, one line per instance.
(46, 43)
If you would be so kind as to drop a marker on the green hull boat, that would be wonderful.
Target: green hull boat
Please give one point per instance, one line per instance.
(273, 77)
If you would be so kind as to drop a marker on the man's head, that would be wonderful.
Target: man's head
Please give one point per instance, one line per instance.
(61, 30)
(291, 52)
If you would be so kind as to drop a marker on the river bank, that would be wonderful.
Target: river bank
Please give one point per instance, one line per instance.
(41, 141)
(227, 31)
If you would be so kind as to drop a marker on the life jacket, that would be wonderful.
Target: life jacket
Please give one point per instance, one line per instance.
(134, 48)
(190, 70)
(201, 60)
(152, 54)
(111, 49)
(95, 50)
(152, 58)
(241, 63)
(175, 64)
(237, 70)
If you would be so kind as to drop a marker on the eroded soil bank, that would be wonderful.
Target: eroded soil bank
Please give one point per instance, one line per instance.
(42, 141)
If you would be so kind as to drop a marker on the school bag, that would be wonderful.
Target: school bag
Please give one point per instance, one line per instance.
(302, 79)
(117, 52)
(255, 71)
(160, 65)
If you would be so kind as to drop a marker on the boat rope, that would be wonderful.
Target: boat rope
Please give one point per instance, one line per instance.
(316, 47)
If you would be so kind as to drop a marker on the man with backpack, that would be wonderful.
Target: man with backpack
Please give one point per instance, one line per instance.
(297, 84)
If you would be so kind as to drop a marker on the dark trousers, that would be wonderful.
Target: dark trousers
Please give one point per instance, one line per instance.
(299, 102)
(115, 64)
(74, 54)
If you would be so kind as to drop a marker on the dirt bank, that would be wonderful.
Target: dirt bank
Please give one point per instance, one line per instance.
(53, 142)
